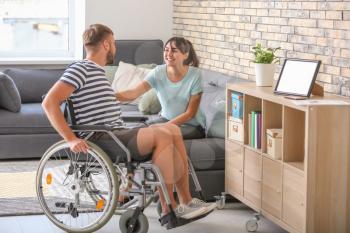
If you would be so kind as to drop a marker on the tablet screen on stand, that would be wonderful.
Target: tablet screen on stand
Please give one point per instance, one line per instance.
(297, 78)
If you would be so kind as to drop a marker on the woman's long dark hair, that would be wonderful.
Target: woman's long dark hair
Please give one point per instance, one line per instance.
(185, 46)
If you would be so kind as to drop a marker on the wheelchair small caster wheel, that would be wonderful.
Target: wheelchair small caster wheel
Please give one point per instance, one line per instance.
(221, 201)
(141, 225)
(251, 225)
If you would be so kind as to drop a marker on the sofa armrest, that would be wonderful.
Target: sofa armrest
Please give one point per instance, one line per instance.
(91, 128)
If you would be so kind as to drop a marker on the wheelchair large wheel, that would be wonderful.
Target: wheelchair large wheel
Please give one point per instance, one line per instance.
(77, 192)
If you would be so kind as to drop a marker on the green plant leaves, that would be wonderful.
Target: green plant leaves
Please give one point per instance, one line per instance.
(265, 55)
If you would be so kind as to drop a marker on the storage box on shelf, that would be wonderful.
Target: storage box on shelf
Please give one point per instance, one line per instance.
(274, 143)
(293, 182)
(235, 131)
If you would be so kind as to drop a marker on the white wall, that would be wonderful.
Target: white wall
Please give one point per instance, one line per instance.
(133, 19)
(129, 19)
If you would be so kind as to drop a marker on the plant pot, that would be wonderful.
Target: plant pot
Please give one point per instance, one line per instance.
(264, 74)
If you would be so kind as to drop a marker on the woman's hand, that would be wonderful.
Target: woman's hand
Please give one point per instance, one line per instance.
(190, 112)
(78, 145)
(132, 94)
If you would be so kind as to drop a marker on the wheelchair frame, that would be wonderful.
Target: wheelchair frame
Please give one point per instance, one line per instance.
(144, 192)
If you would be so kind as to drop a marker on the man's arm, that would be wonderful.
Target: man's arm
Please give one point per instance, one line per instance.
(51, 105)
(132, 94)
(190, 112)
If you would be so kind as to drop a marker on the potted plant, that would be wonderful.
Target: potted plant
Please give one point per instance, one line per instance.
(265, 60)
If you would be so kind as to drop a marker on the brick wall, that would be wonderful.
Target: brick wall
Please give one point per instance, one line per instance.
(223, 33)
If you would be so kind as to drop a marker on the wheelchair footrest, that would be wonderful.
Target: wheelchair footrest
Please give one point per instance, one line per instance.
(171, 221)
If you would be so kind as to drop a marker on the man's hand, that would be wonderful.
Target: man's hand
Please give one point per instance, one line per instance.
(78, 145)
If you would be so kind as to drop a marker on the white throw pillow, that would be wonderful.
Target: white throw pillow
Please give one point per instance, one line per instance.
(127, 77)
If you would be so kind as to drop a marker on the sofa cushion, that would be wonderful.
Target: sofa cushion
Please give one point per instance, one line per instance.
(110, 72)
(149, 103)
(30, 120)
(32, 84)
(9, 96)
(216, 126)
(206, 153)
(26, 145)
(128, 76)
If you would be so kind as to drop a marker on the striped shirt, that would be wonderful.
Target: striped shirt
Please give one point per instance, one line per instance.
(94, 101)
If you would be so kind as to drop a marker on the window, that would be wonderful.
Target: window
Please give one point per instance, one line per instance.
(39, 28)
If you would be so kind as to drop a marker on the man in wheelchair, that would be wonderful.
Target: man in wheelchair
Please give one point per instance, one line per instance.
(94, 103)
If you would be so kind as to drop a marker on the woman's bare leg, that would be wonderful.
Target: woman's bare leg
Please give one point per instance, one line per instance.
(159, 140)
(182, 185)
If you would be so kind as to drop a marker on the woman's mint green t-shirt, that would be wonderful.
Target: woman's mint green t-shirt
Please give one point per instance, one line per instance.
(174, 97)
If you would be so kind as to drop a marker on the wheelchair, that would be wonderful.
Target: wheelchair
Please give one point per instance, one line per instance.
(78, 192)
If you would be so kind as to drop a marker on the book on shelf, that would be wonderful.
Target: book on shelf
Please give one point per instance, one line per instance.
(252, 133)
(250, 128)
(259, 130)
(255, 129)
(237, 105)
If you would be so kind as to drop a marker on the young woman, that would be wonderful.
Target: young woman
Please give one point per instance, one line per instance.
(178, 87)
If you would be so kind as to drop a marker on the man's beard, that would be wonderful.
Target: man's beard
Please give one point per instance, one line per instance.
(110, 58)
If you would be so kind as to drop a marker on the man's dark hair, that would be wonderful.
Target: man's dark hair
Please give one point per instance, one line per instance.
(95, 34)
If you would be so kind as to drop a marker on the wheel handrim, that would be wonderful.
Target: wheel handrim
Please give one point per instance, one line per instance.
(65, 192)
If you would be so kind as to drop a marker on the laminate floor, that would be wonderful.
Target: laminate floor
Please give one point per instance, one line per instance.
(231, 219)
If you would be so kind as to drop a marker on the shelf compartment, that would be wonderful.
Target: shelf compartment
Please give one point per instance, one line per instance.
(251, 103)
(269, 157)
(252, 176)
(298, 166)
(253, 149)
(234, 168)
(293, 139)
(294, 192)
(229, 102)
(229, 116)
(272, 187)
(272, 119)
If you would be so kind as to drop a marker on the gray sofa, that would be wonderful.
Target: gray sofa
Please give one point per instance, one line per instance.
(27, 134)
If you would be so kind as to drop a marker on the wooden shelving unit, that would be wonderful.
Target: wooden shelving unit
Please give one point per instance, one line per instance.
(310, 185)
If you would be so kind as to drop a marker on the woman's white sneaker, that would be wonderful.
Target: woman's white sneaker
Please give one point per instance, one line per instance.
(188, 212)
(197, 203)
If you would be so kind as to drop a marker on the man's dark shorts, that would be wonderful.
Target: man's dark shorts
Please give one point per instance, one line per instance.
(129, 139)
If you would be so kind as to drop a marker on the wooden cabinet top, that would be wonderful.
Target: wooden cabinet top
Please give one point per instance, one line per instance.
(266, 93)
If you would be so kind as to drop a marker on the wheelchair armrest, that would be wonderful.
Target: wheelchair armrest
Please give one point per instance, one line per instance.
(134, 118)
(92, 128)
